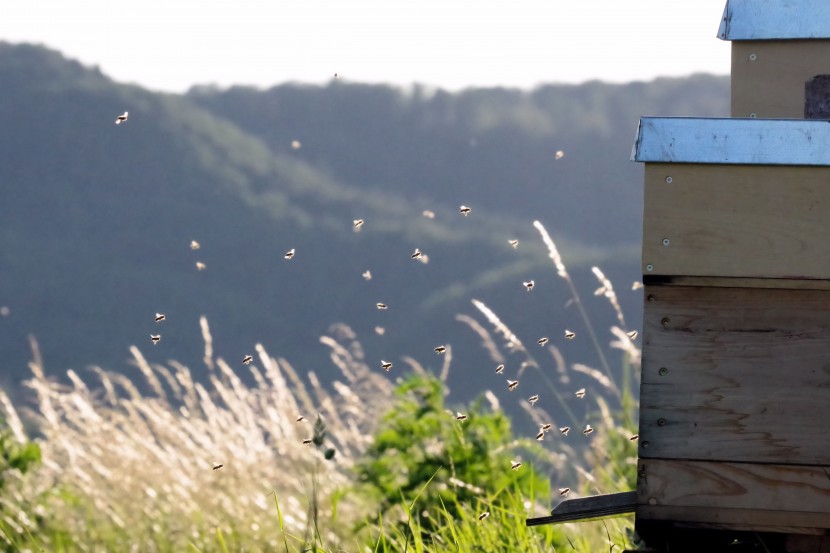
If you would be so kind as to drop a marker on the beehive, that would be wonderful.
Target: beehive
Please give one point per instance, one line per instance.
(735, 393)
(777, 47)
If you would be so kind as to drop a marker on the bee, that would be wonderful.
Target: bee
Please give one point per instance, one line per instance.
(441, 349)
(247, 359)
(428, 214)
(588, 429)
(632, 335)
(122, 118)
(500, 369)
(529, 285)
(511, 385)
(634, 438)
(194, 245)
(289, 254)
(636, 285)
(296, 144)
(307, 441)
(460, 416)
(300, 418)
(559, 154)
(544, 427)
(600, 291)
(155, 338)
(580, 393)
(569, 335)
(385, 365)
(564, 491)
(416, 254)
(542, 341)
(515, 465)
(380, 331)
(200, 266)
(217, 467)
(540, 436)
(564, 430)
(367, 274)
(514, 243)
(484, 515)
(464, 210)
(533, 399)
(358, 223)
(381, 306)
(160, 317)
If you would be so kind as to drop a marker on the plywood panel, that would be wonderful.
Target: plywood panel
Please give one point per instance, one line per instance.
(737, 495)
(771, 85)
(736, 374)
(737, 221)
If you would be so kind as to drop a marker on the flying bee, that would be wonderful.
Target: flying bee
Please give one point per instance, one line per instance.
(588, 429)
(464, 210)
(636, 285)
(416, 254)
(380, 331)
(559, 154)
(247, 359)
(300, 418)
(441, 349)
(381, 306)
(515, 465)
(385, 365)
(564, 430)
(580, 393)
(484, 515)
(529, 285)
(296, 144)
(358, 223)
(307, 441)
(155, 338)
(122, 118)
(533, 399)
(544, 427)
(540, 436)
(194, 245)
(500, 369)
(632, 335)
(160, 317)
(542, 341)
(634, 438)
(200, 266)
(217, 467)
(428, 214)
(600, 291)
(514, 243)
(289, 254)
(564, 491)
(460, 416)
(569, 335)
(511, 385)
(367, 274)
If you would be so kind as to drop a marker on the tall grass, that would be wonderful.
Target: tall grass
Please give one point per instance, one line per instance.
(222, 465)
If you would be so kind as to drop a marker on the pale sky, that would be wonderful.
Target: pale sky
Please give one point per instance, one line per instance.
(173, 44)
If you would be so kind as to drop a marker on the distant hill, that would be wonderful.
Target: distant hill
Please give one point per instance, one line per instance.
(96, 219)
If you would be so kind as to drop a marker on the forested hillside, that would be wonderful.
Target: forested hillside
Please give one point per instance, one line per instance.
(97, 219)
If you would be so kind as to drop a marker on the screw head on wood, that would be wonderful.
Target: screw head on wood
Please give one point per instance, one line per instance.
(753, 57)
(668, 180)
(665, 322)
(663, 371)
(649, 267)
(666, 241)
(661, 422)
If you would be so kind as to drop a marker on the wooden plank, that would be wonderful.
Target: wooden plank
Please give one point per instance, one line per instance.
(736, 221)
(746, 496)
(736, 374)
(771, 85)
(589, 508)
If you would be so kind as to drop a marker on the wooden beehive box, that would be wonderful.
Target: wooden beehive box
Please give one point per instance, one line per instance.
(778, 46)
(735, 393)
